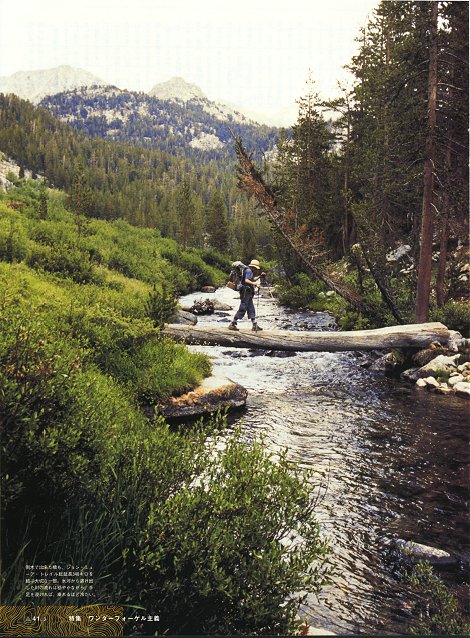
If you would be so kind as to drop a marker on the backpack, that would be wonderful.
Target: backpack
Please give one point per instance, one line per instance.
(237, 276)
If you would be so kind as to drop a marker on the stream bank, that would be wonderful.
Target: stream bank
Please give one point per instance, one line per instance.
(392, 460)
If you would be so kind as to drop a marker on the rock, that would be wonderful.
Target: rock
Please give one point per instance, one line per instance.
(388, 362)
(221, 306)
(453, 379)
(418, 552)
(411, 374)
(443, 389)
(398, 253)
(462, 389)
(432, 382)
(464, 366)
(208, 289)
(421, 383)
(441, 362)
(423, 357)
(183, 317)
(281, 354)
(202, 307)
(214, 392)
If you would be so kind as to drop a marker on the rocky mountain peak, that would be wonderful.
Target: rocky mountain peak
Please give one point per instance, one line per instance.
(35, 85)
(177, 89)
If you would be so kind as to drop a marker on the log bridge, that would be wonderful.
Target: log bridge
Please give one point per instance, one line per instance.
(416, 336)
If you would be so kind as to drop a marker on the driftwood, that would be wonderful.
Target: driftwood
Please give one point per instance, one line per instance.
(418, 336)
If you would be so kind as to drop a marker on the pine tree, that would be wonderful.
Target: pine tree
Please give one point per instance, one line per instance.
(217, 223)
(185, 210)
(43, 204)
(79, 199)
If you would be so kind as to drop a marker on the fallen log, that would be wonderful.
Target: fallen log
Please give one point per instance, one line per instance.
(419, 336)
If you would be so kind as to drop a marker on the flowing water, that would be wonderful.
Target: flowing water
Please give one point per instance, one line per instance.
(393, 457)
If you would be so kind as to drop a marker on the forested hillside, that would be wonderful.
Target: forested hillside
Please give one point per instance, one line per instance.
(193, 128)
(147, 187)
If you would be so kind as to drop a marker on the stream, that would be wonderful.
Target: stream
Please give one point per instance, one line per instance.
(393, 460)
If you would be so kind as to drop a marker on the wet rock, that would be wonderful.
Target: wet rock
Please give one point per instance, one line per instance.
(208, 289)
(411, 374)
(462, 389)
(418, 552)
(183, 317)
(281, 354)
(388, 362)
(214, 392)
(423, 357)
(218, 305)
(421, 383)
(202, 307)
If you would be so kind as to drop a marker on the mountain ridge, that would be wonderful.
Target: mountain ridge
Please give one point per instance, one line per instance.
(173, 125)
(37, 85)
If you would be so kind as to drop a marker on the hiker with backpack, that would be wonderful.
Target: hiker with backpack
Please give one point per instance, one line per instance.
(246, 283)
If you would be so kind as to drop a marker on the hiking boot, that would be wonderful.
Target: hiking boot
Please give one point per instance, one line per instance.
(256, 328)
(233, 326)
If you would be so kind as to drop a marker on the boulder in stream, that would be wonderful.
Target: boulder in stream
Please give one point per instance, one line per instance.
(389, 361)
(183, 317)
(418, 552)
(214, 392)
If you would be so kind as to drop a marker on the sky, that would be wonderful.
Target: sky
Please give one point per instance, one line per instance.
(253, 54)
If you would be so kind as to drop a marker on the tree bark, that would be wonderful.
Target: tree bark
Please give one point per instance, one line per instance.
(425, 253)
(408, 336)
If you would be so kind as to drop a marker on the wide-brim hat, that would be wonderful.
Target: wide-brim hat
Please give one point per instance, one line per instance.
(254, 264)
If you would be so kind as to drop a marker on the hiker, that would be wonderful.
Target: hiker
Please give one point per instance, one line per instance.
(250, 283)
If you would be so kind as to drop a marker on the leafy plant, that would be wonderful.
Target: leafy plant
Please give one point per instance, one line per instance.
(160, 305)
(436, 611)
(455, 315)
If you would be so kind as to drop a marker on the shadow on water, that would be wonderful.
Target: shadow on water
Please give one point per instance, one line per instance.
(396, 459)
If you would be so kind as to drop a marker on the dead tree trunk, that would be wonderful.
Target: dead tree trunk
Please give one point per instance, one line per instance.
(409, 336)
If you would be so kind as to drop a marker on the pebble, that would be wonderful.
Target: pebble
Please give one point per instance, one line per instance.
(462, 389)
(455, 379)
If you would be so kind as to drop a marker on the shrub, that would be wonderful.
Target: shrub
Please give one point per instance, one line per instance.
(160, 305)
(14, 243)
(229, 552)
(455, 315)
(436, 610)
(303, 294)
(67, 261)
